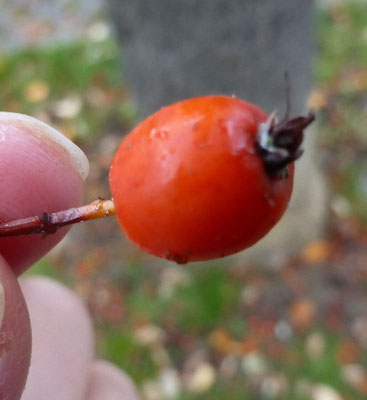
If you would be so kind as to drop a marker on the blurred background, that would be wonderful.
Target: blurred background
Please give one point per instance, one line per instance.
(293, 327)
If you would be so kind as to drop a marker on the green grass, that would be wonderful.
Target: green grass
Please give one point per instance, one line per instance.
(341, 70)
(342, 40)
(45, 268)
(118, 345)
(81, 70)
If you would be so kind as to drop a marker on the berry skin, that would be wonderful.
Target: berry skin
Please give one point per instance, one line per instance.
(204, 178)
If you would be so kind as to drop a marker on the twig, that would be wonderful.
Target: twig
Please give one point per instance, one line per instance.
(48, 223)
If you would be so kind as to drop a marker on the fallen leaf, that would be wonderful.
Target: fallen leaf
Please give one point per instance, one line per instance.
(316, 252)
(348, 353)
(317, 99)
(302, 314)
(36, 91)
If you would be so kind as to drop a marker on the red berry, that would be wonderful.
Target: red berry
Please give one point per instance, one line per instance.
(204, 178)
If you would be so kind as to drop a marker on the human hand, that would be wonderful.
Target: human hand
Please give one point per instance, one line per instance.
(41, 171)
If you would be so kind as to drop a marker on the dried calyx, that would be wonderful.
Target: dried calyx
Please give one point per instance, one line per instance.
(279, 143)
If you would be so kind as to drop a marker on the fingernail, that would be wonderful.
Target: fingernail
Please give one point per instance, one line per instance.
(42, 130)
(2, 304)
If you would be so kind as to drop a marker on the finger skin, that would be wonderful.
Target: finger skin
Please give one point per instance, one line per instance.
(107, 382)
(62, 346)
(15, 336)
(36, 176)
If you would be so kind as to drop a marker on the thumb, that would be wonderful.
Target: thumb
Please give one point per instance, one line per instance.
(41, 171)
(15, 336)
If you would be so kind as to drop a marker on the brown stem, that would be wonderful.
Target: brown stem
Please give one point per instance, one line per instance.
(48, 223)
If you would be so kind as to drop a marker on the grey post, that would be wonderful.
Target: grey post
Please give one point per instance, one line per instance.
(175, 49)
